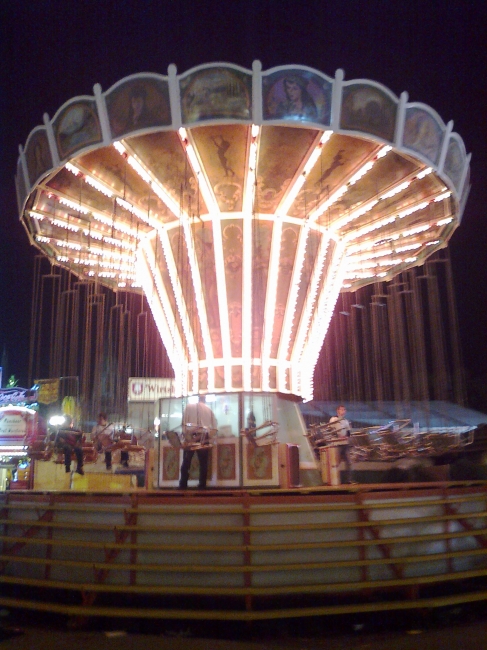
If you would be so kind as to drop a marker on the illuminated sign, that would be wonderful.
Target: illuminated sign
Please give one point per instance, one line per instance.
(16, 424)
(143, 389)
(17, 396)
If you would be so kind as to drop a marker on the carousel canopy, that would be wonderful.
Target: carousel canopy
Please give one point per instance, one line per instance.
(241, 203)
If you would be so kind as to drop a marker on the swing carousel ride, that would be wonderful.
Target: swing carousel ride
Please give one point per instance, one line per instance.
(241, 203)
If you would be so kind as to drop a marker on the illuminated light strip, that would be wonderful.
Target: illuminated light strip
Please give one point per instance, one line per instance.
(361, 172)
(154, 184)
(73, 205)
(61, 258)
(100, 187)
(417, 230)
(366, 257)
(178, 295)
(247, 303)
(247, 225)
(64, 224)
(351, 181)
(116, 225)
(395, 190)
(356, 266)
(96, 184)
(299, 182)
(36, 215)
(150, 277)
(360, 232)
(409, 247)
(222, 299)
(359, 212)
(96, 262)
(328, 203)
(303, 327)
(94, 250)
(390, 263)
(290, 311)
(73, 169)
(92, 234)
(119, 243)
(324, 310)
(270, 302)
(99, 216)
(108, 265)
(359, 276)
(176, 343)
(214, 210)
(204, 185)
(71, 245)
(249, 195)
(198, 292)
(444, 222)
(140, 214)
(110, 224)
(43, 240)
(119, 147)
(425, 172)
(324, 313)
(147, 176)
(415, 208)
(442, 197)
(384, 151)
(340, 223)
(390, 219)
(358, 262)
(175, 209)
(106, 274)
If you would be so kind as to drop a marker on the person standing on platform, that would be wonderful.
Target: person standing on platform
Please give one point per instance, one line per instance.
(343, 428)
(196, 415)
(69, 440)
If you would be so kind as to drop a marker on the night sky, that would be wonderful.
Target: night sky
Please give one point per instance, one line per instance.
(52, 51)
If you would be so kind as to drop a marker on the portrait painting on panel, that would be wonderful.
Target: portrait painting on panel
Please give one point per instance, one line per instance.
(138, 104)
(296, 95)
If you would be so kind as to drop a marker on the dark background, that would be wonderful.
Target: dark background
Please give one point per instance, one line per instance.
(436, 50)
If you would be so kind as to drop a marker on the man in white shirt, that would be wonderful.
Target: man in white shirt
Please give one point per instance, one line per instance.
(102, 435)
(196, 415)
(343, 429)
(102, 427)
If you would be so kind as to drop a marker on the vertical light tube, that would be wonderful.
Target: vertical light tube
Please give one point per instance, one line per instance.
(270, 302)
(247, 221)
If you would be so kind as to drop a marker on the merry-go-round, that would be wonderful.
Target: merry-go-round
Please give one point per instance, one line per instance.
(241, 203)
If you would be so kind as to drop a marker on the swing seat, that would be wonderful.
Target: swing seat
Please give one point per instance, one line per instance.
(267, 438)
